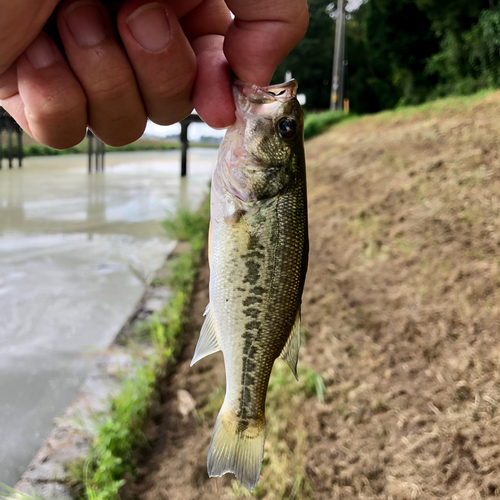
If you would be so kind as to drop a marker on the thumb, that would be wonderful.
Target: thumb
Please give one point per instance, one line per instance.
(21, 21)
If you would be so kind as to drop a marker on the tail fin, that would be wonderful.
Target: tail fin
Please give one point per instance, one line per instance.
(237, 449)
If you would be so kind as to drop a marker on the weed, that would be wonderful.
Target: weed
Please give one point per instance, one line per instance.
(213, 403)
(119, 434)
(187, 226)
(8, 493)
(283, 468)
(316, 123)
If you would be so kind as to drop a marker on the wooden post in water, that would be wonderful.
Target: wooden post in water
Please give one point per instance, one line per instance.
(2, 121)
(90, 145)
(102, 150)
(97, 155)
(9, 126)
(9, 142)
(184, 140)
(96, 150)
(20, 152)
(184, 146)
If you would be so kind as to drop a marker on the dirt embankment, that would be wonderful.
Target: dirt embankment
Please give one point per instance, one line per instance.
(401, 314)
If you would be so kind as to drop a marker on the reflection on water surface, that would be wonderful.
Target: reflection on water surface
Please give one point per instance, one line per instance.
(74, 253)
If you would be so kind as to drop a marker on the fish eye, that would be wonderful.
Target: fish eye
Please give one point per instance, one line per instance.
(286, 127)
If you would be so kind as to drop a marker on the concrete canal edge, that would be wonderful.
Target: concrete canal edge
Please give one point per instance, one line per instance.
(48, 473)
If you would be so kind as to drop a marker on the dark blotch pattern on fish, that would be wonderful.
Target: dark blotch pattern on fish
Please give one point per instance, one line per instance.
(254, 259)
(252, 312)
(251, 300)
(253, 274)
(252, 325)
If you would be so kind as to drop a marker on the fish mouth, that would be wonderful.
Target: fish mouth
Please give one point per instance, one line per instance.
(265, 95)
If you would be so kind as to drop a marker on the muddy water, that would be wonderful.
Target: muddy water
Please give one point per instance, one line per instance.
(75, 251)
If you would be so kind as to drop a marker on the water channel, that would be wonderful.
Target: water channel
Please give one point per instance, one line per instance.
(75, 250)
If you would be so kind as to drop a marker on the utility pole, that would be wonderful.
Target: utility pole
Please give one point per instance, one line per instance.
(337, 94)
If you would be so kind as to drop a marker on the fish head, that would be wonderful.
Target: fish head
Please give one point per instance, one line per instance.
(261, 152)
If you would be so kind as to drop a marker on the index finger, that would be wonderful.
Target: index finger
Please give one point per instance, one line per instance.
(262, 33)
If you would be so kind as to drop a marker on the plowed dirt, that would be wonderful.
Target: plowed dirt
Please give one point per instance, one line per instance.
(401, 312)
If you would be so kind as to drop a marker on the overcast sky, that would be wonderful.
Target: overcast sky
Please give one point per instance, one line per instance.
(353, 5)
(195, 130)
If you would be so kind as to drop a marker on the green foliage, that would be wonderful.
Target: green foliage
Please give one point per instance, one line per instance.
(470, 60)
(41, 150)
(187, 226)
(120, 433)
(399, 52)
(8, 493)
(284, 472)
(138, 146)
(117, 437)
(316, 123)
(310, 61)
(282, 381)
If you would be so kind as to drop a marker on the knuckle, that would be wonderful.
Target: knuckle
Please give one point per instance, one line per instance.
(52, 110)
(173, 86)
(110, 88)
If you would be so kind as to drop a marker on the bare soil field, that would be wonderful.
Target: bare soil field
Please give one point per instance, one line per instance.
(400, 386)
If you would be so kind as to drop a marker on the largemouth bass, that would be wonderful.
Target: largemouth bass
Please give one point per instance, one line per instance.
(258, 250)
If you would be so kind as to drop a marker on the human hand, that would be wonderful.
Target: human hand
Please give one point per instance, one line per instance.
(126, 61)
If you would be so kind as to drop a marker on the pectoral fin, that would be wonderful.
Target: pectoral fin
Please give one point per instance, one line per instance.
(207, 343)
(290, 353)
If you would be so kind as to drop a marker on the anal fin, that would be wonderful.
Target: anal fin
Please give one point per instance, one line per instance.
(290, 353)
(207, 343)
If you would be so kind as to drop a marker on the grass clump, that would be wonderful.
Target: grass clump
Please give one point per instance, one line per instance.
(113, 447)
(283, 473)
(316, 123)
(120, 433)
(8, 493)
(82, 148)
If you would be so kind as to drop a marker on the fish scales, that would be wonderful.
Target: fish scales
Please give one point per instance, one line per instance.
(258, 260)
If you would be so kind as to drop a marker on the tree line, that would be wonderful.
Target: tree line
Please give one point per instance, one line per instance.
(399, 52)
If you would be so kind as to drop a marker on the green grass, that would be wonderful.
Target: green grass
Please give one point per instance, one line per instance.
(82, 148)
(120, 434)
(284, 473)
(317, 123)
(8, 493)
(438, 106)
(41, 150)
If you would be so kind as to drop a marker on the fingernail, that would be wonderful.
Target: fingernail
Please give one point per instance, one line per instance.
(41, 53)
(150, 27)
(86, 23)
